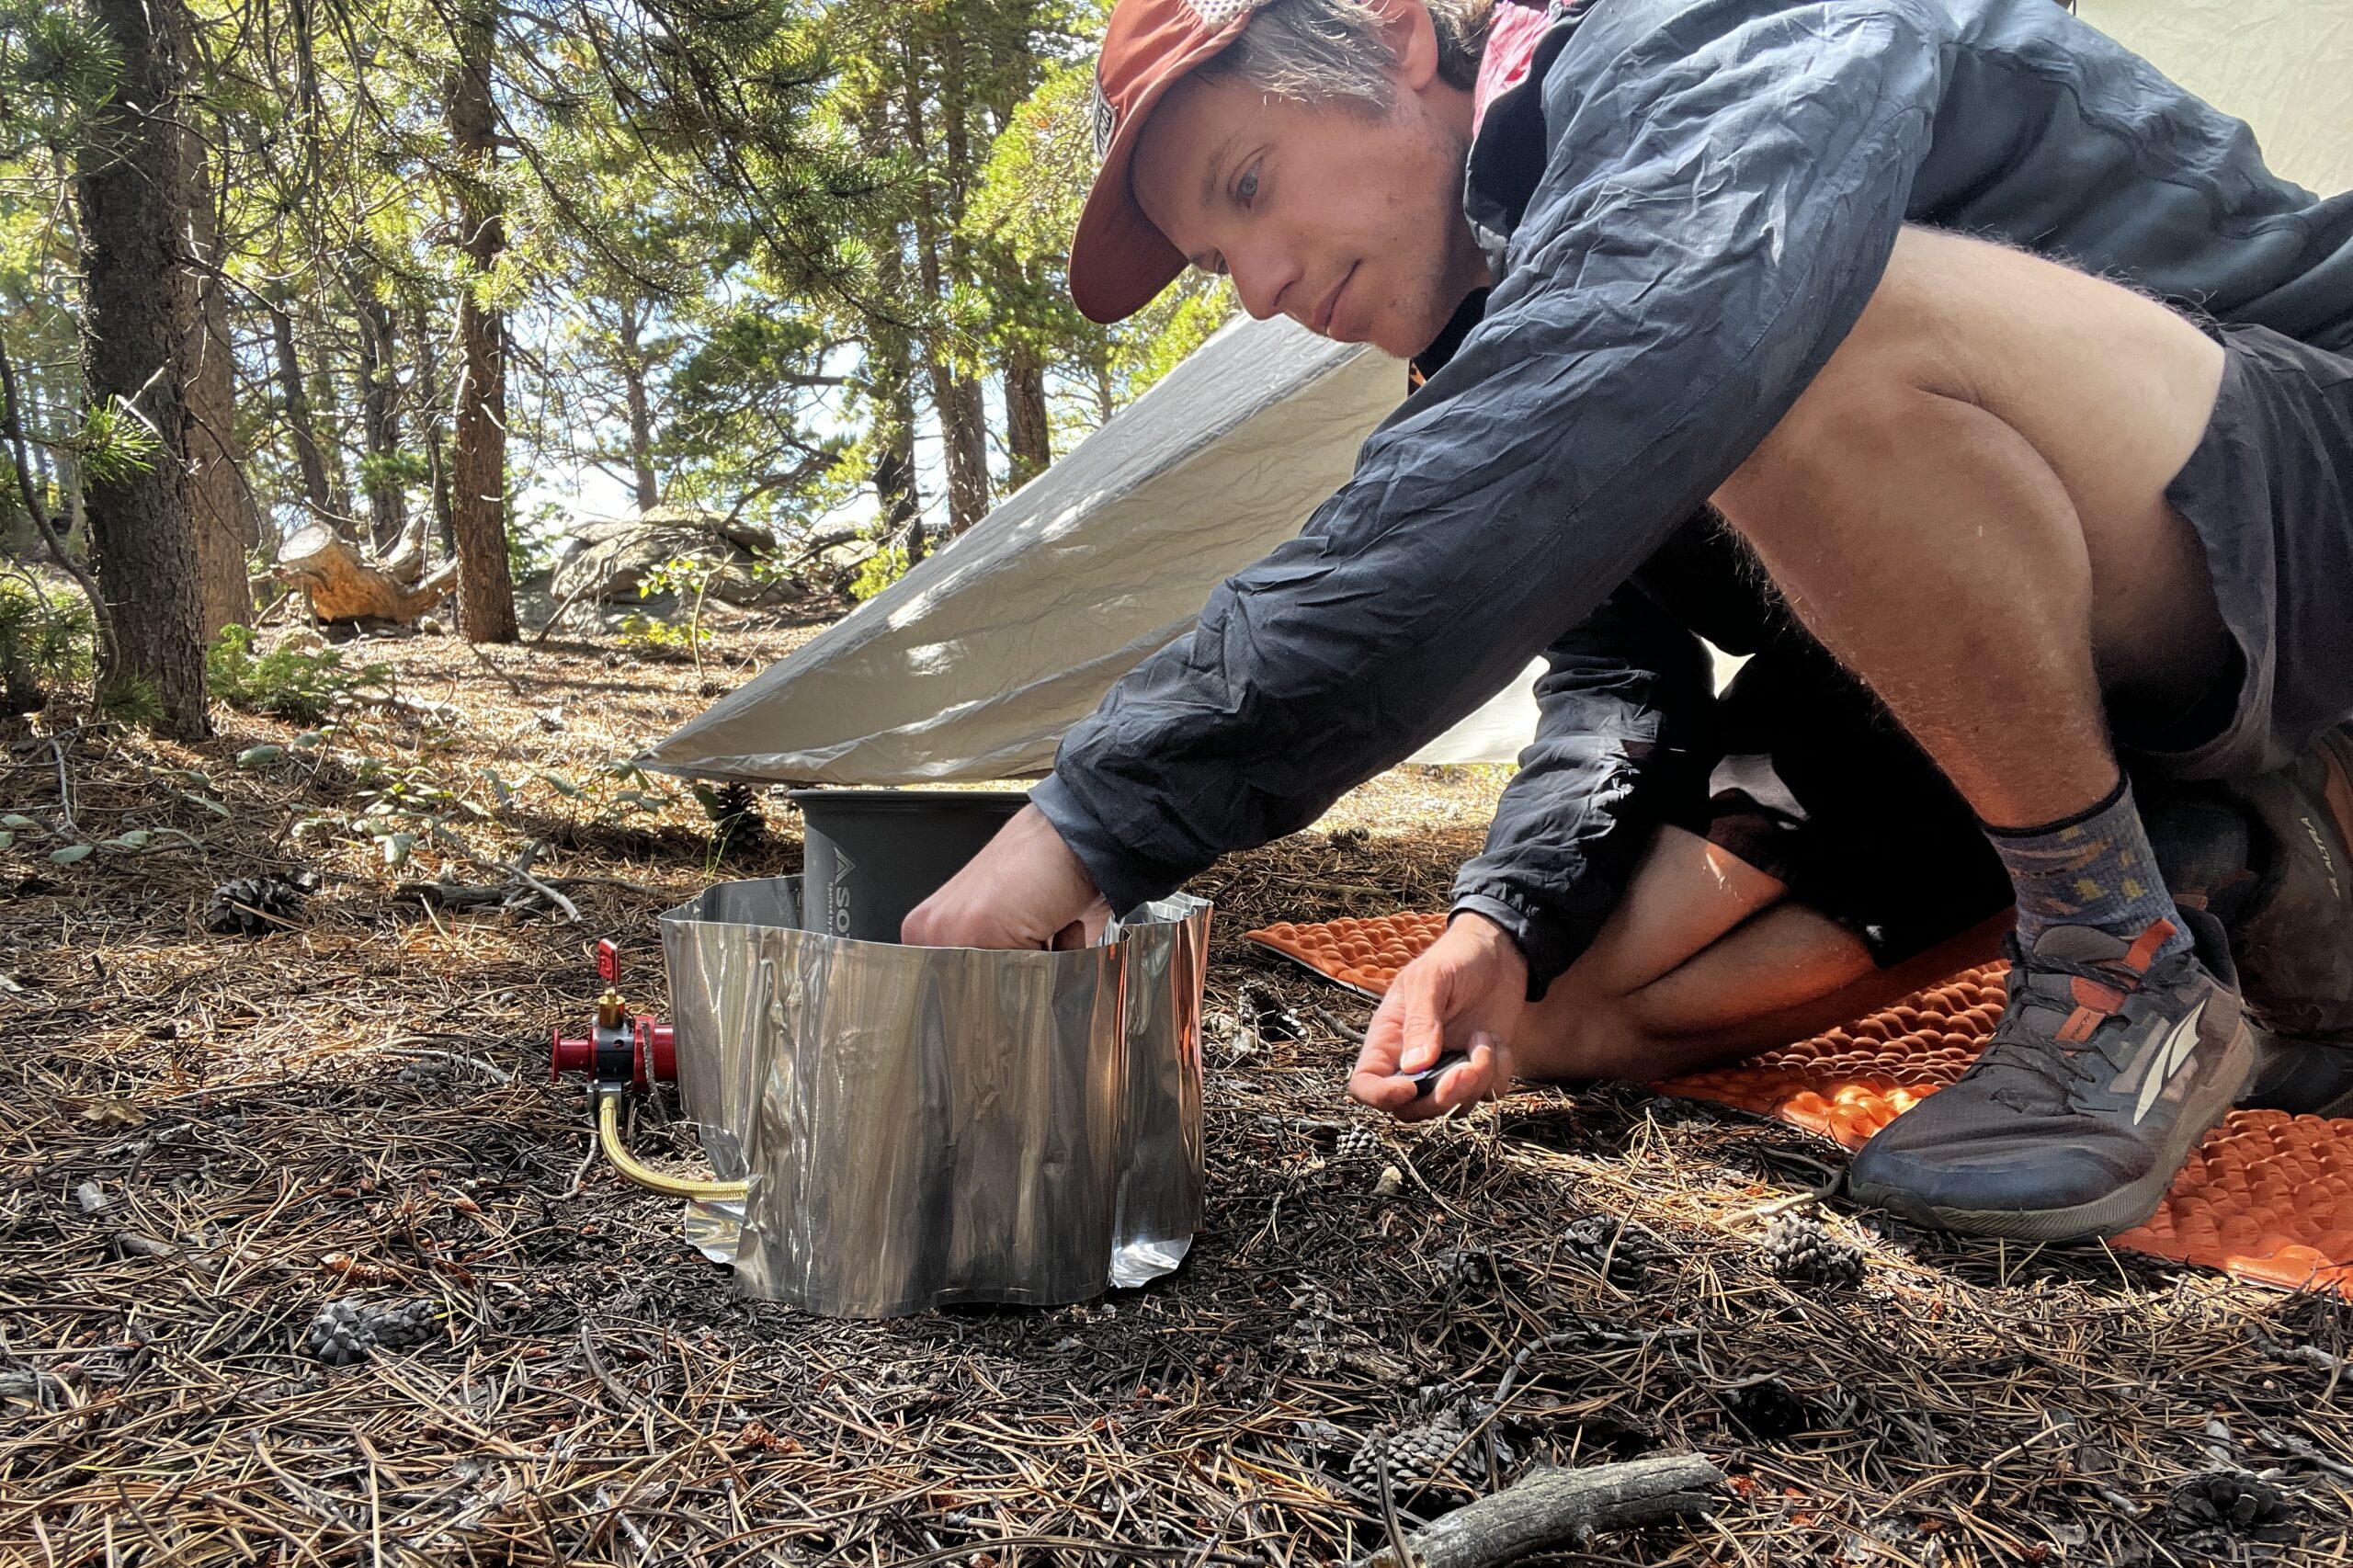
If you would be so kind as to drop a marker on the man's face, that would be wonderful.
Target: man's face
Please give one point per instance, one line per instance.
(1346, 222)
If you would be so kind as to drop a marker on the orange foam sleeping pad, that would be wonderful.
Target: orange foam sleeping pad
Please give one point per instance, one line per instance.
(2268, 1197)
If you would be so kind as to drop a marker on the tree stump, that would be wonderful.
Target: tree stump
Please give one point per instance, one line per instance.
(343, 584)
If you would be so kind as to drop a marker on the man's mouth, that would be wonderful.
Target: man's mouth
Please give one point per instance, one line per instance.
(1322, 326)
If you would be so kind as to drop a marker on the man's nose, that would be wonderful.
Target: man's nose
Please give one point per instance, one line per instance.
(1261, 281)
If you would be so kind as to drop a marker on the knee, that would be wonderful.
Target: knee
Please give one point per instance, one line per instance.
(1895, 382)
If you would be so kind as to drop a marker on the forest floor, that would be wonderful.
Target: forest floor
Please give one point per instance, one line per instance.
(208, 1138)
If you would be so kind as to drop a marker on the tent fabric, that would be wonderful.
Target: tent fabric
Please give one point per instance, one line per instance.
(970, 667)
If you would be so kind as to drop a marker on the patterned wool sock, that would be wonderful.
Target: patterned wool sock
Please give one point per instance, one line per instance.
(2093, 868)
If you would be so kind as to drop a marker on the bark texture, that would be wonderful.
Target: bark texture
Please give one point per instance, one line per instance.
(294, 395)
(137, 314)
(221, 507)
(478, 459)
(379, 425)
(1029, 426)
(430, 414)
(640, 408)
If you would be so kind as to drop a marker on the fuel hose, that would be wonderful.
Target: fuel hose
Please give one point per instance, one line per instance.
(608, 1135)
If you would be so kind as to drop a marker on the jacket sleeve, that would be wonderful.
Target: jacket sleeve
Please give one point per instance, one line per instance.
(1624, 737)
(1722, 182)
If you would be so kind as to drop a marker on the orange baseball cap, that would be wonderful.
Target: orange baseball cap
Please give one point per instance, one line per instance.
(1118, 260)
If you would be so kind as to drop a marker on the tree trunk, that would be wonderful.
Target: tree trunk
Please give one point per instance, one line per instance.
(380, 424)
(955, 395)
(478, 478)
(1029, 426)
(641, 410)
(221, 505)
(136, 315)
(295, 394)
(326, 411)
(430, 412)
(965, 436)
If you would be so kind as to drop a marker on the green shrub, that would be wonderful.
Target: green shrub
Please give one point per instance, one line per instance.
(881, 569)
(293, 682)
(46, 642)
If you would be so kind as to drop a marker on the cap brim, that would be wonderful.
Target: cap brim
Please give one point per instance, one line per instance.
(1119, 260)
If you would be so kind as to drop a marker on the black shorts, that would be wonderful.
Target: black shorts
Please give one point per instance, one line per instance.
(1819, 787)
(2269, 494)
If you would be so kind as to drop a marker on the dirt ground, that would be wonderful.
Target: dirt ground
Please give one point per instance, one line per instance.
(208, 1138)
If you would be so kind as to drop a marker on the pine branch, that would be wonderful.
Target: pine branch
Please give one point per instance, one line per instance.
(21, 458)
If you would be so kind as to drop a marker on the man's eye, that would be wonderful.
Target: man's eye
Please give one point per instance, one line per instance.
(1245, 189)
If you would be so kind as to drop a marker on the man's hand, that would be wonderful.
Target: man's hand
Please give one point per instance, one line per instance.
(1026, 890)
(1466, 993)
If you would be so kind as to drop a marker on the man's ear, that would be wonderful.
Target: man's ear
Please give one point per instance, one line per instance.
(1412, 38)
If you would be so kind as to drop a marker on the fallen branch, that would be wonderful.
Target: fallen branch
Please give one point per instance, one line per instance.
(1550, 1508)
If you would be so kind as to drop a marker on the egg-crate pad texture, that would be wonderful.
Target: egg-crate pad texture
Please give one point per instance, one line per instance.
(2268, 1197)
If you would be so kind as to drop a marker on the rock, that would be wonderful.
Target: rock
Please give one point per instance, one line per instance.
(608, 558)
(1392, 1182)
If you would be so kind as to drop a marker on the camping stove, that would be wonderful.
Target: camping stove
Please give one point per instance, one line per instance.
(619, 1052)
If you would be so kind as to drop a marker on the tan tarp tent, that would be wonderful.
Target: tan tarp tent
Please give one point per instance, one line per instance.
(971, 666)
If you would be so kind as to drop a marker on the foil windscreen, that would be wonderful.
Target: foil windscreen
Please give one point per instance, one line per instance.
(924, 1126)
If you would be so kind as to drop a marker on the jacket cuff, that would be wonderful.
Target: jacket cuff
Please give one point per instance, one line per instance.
(1547, 950)
(1125, 880)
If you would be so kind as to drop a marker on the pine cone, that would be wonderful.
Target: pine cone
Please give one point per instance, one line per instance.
(2233, 1499)
(1470, 1267)
(1356, 1142)
(739, 830)
(1437, 1452)
(1348, 837)
(397, 1325)
(339, 1335)
(1598, 1242)
(1264, 1013)
(1803, 1253)
(345, 1333)
(254, 906)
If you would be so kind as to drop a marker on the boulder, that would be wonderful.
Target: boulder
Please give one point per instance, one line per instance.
(607, 559)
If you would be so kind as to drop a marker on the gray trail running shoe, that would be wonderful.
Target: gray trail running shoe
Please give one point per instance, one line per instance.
(2103, 1075)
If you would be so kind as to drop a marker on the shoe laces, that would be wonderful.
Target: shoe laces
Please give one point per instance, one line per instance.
(2053, 1058)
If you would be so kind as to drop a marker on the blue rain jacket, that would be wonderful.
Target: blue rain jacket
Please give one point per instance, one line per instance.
(1686, 206)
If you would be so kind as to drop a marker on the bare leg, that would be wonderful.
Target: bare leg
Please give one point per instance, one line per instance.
(1706, 962)
(1967, 507)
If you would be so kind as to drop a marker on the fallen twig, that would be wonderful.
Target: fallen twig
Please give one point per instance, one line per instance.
(1549, 1508)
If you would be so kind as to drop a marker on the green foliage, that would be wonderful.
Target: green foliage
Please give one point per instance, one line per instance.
(304, 685)
(115, 443)
(881, 569)
(131, 700)
(46, 638)
(55, 66)
(652, 634)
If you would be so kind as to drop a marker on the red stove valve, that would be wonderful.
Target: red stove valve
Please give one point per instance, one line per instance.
(618, 1050)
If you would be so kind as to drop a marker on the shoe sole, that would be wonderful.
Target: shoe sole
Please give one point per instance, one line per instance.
(2120, 1210)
